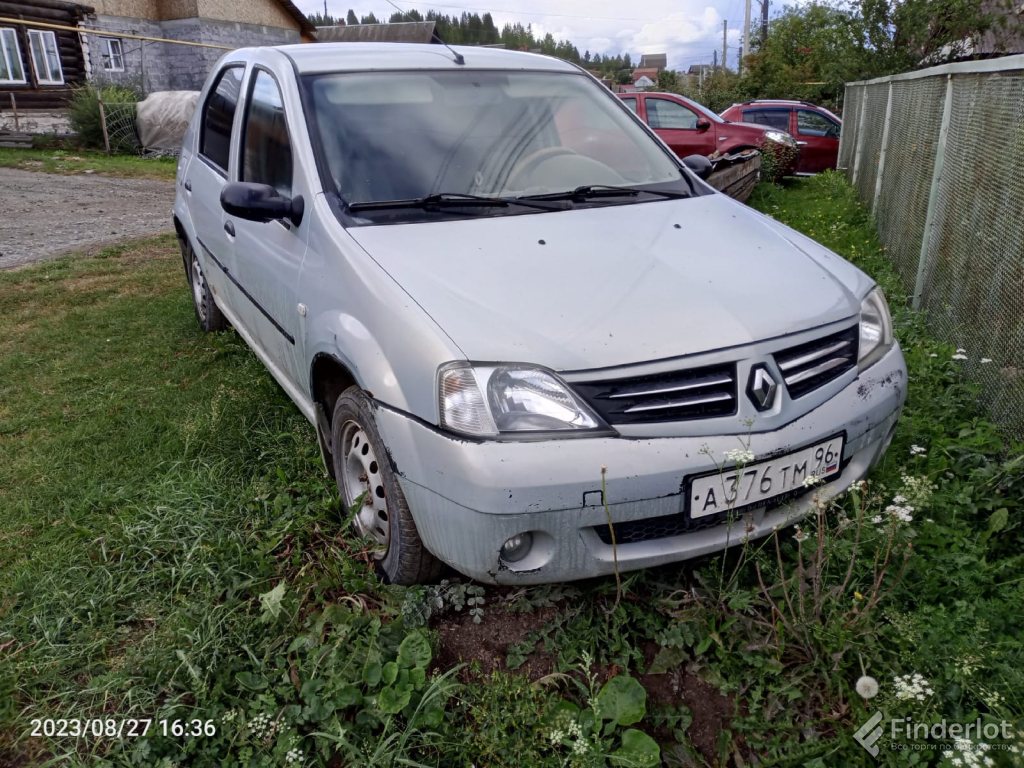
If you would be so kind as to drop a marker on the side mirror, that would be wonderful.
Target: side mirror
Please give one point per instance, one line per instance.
(260, 202)
(699, 164)
(703, 124)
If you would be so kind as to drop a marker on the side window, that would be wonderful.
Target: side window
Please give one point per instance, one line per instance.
(773, 118)
(266, 152)
(662, 113)
(10, 57)
(218, 115)
(812, 124)
(45, 57)
(631, 103)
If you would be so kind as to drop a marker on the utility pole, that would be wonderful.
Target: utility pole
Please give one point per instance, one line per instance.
(714, 62)
(764, 21)
(745, 50)
(725, 35)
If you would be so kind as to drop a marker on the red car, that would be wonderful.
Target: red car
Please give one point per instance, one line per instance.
(691, 129)
(815, 128)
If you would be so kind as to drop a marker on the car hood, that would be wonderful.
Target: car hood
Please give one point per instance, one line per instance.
(606, 286)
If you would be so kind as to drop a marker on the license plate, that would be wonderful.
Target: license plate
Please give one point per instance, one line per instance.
(753, 484)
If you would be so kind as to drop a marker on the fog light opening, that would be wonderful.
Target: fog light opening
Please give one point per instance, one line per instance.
(517, 547)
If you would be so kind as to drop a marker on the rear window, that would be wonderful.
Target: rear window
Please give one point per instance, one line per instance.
(773, 118)
(218, 116)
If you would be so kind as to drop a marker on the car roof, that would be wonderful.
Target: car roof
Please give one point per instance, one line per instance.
(339, 57)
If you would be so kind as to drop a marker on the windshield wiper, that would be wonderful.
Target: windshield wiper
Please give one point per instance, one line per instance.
(446, 200)
(592, 191)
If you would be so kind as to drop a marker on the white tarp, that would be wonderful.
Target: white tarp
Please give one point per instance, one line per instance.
(163, 117)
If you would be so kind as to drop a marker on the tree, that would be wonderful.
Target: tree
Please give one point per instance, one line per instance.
(351, 17)
(668, 80)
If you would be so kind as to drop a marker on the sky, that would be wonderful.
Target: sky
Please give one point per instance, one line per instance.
(687, 30)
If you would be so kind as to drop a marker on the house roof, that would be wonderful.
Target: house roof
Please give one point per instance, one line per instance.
(649, 73)
(305, 25)
(654, 60)
(398, 32)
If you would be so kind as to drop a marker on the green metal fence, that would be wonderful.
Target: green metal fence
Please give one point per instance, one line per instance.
(938, 155)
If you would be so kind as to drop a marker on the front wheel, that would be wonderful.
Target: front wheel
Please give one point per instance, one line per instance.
(369, 489)
(208, 314)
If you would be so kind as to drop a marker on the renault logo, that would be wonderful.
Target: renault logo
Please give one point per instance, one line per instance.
(762, 388)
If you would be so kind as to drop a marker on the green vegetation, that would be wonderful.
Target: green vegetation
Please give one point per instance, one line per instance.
(170, 548)
(89, 161)
(119, 103)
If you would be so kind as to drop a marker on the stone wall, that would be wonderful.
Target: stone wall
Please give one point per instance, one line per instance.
(154, 66)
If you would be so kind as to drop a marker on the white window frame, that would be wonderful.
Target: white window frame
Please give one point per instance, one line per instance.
(113, 62)
(40, 37)
(8, 55)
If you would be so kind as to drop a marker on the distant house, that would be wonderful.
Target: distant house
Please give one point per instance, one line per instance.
(40, 65)
(219, 25)
(643, 82)
(644, 78)
(655, 61)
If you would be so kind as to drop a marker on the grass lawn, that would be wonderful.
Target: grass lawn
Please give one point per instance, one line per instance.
(82, 160)
(171, 550)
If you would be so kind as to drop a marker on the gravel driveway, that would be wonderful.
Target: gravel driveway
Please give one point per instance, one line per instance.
(43, 215)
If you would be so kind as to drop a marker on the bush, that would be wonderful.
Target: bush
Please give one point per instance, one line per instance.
(119, 104)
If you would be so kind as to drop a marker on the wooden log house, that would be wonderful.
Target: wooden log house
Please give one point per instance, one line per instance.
(40, 66)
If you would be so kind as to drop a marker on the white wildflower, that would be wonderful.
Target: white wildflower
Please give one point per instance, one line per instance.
(579, 747)
(917, 450)
(811, 480)
(911, 687)
(293, 757)
(867, 687)
(877, 519)
(959, 357)
(740, 455)
(800, 535)
(556, 736)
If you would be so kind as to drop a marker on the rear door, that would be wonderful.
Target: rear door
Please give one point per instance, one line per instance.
(777, 118)
(207, 174)
(818, 137)
(268, 255)
(676, 124)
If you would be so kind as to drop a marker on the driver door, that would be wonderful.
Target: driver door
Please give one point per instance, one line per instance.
(818, 138)
(677, 126)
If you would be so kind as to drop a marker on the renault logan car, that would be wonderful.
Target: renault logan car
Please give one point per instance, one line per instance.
(533, 344)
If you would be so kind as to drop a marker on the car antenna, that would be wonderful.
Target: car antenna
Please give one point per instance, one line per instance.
(459, 59)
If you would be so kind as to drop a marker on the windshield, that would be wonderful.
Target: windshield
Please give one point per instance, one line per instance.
(389, 136)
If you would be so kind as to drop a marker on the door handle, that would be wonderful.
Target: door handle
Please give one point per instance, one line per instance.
(187, 185)
(801, 143)
(229, 228)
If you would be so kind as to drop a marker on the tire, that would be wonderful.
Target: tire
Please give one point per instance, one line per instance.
(208, 315)
(362, 469)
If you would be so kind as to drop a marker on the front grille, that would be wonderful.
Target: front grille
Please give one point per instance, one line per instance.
(697, 393)
(809, 366)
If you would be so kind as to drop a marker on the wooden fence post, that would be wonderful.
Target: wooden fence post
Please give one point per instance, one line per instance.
(103, 123)
(14, 109)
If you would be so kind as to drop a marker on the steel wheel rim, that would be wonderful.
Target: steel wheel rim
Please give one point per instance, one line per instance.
(361, 477)
(198, 288)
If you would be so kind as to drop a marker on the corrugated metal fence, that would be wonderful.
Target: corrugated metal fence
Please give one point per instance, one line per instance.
(938, 155)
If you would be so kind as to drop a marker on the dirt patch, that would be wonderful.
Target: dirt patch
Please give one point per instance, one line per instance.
(484, 647)
(46, 215)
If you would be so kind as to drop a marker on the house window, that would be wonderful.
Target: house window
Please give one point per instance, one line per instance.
(10, 57)
(45, 57)
(113, 55)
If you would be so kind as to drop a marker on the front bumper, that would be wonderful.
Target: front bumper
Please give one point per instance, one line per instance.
(468, 498)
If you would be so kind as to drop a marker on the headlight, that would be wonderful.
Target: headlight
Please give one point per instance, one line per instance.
(875, 329)
(490, 400)
(779, 137)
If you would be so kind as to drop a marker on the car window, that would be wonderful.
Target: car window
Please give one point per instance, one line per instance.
(773, 118)
(266, 150)
(404, 135)
(813, 124)
(631, 103)
(662, 113)
(218, 115)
